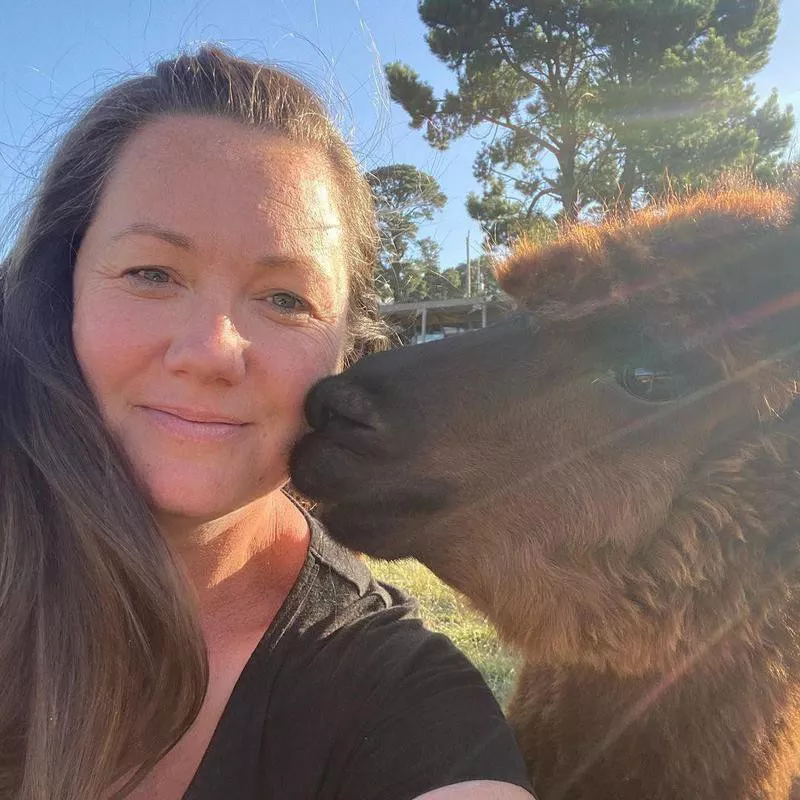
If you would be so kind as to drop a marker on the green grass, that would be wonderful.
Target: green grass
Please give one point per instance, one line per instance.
(445, 611)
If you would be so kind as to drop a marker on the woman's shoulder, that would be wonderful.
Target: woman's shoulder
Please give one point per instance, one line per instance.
(349, 695)
(366, 641)
(337, 595)
(362, 635)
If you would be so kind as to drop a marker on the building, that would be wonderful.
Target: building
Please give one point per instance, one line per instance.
(426, 320)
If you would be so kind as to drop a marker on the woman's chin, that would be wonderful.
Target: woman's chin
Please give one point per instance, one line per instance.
(194, 510)
(198, 501)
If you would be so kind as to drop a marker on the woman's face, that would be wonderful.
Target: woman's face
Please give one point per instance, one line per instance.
(210, 293)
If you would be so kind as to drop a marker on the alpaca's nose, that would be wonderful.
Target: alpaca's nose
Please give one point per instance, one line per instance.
(335, 404)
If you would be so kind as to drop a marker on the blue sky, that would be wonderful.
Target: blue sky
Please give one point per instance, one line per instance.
(56, 54)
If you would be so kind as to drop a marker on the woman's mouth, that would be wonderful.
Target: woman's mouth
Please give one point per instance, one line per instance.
(194, 424)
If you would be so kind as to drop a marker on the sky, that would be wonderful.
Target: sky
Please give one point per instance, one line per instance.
(57, 54)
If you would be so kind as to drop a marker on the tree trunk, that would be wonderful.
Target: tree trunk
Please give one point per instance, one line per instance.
(568, 185)
(626, 186)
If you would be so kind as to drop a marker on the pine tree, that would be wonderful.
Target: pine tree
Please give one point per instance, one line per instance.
(587, 101)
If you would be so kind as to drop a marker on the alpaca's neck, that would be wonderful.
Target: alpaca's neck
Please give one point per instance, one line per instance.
(727, 728)
(723, 723)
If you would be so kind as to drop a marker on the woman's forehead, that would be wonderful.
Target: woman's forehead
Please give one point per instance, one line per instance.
(235, 158)
(203, 135)
(197, 173)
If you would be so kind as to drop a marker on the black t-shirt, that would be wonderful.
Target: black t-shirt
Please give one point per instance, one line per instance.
(348, 697)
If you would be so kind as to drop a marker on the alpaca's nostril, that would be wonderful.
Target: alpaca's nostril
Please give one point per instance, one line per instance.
(343, 417)
(335, 401)
(325, 417)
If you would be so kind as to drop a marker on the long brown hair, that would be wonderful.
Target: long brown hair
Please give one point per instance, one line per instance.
(102, 662)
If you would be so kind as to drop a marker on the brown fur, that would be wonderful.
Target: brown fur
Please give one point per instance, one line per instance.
(641, 733)
(642, 557)
(751, 494)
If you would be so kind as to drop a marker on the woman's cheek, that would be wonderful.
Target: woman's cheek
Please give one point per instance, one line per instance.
(112, 336)
(303, 355)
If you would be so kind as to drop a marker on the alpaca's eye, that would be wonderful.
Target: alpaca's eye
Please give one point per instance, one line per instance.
(657, 385)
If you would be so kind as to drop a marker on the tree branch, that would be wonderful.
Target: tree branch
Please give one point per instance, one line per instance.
(504, 175)
(585, 169)
(543, 143)
(535, 199)
(535, 80)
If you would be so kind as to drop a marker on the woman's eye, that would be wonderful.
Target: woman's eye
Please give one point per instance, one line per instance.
(286, 301)
(151, 275)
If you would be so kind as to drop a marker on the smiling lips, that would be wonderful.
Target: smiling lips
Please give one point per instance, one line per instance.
(193, 425)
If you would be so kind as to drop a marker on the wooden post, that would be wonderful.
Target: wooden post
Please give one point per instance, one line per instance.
(469, 271)
(424, 326)
(483, 314)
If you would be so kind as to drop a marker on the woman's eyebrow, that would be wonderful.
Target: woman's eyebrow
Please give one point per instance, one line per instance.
(278, 261)
(151, 229)
(185, 243)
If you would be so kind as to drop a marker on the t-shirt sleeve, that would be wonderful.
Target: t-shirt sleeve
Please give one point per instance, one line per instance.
(426, 718)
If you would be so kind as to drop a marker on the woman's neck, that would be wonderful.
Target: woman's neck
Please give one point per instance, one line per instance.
(251, 554)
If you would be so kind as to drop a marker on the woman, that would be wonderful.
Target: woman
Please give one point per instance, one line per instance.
(198, 254)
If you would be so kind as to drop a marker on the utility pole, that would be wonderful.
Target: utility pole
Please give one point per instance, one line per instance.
(469, 270)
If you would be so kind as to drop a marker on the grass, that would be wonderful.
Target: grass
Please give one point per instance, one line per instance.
(445, 611)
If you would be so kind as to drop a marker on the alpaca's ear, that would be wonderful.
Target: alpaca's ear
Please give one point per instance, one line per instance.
(564, 272)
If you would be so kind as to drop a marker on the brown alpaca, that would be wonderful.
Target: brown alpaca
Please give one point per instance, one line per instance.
(613, 478)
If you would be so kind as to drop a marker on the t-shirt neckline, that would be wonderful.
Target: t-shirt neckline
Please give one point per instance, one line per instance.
(287, 613)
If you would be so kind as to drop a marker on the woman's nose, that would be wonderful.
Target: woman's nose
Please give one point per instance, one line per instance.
(208, 347)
